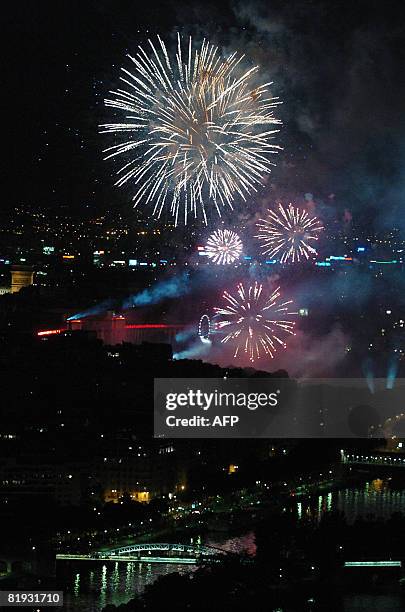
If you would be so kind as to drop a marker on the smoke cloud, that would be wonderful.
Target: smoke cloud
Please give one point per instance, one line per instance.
(166, 289)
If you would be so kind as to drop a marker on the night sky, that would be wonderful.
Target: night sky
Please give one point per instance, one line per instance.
(338, 67)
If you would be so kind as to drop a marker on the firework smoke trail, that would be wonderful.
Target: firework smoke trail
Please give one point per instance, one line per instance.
(255, 321)
(165, 289)
(196, 132)
(289, 234)
(224, 247)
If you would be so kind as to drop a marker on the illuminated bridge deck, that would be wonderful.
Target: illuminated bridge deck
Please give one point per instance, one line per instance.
(149, 553)
(373, 459)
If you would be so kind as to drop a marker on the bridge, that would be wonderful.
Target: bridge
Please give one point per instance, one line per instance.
(373, 459)
(175, 553)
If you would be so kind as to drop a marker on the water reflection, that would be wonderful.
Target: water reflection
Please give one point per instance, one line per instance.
(375, 498)
(103, 590)
(90, 586)
(77, 584)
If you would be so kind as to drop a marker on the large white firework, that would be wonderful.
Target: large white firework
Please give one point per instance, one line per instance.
(290, 234)
(223, 247)
(196, 131)
(255, 321)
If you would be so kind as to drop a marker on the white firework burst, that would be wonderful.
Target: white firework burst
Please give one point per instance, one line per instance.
(223, 247)
(196, 130)
(254, 321)
(289, 234)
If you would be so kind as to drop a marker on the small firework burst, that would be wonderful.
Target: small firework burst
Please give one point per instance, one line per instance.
(289, 234)
(224, 247)
(255, 321)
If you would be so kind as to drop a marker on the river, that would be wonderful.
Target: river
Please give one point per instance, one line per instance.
(378, 498)
(89, 586)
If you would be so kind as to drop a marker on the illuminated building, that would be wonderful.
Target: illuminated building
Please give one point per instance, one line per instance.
(114, 329)
(21, 276)
(140, 471)
(98, 258)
